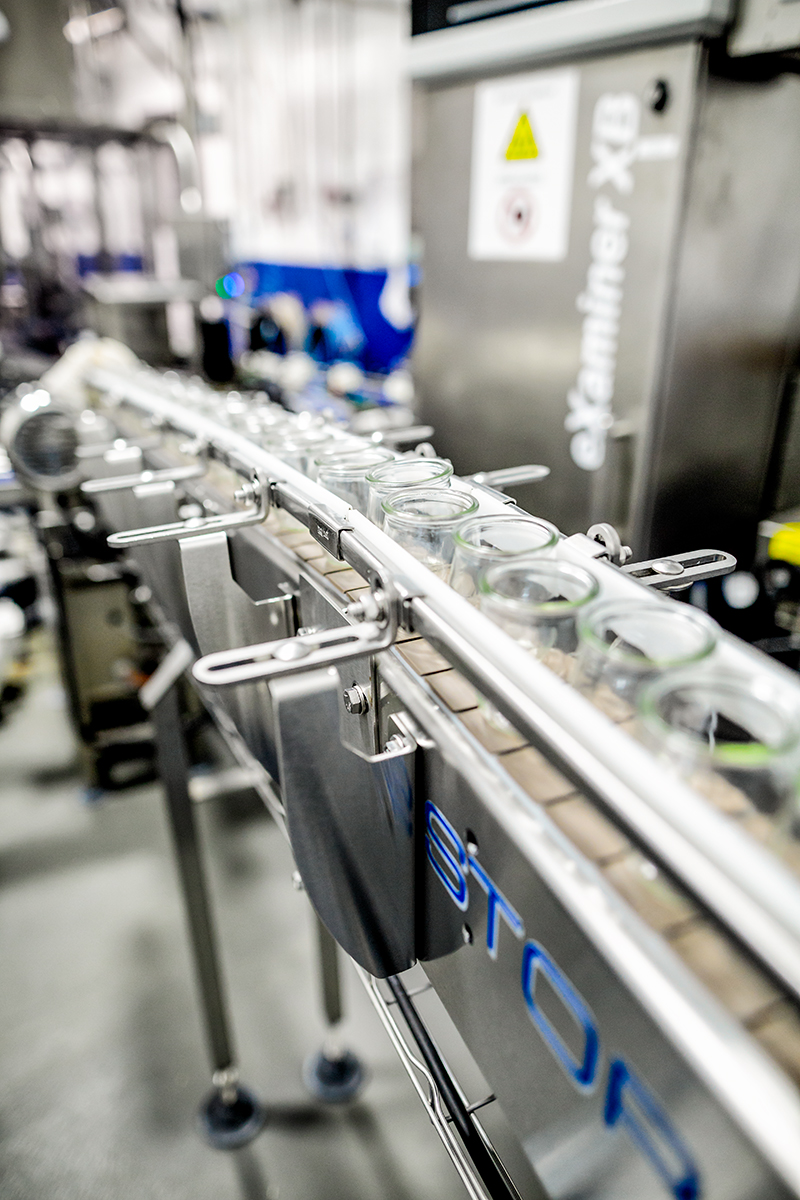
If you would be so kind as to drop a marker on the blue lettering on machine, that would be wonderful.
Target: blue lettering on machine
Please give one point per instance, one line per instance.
(629, 1104)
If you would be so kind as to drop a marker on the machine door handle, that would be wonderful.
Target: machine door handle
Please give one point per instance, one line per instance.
(255, 493)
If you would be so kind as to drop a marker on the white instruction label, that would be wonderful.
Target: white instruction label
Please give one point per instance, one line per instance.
(523, 159)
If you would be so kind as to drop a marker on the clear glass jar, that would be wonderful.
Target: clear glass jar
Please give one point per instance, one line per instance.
(424, 520)
(623, 644)
(404, 473)
(346, 474)
(537, 602)
(734, 738)
(486, 542)
(338, 447)
(300, 447)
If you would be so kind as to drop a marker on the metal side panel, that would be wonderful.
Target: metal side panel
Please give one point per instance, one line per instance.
(595, 1039)
(500, 344)
(160, 566)
(736, 325)
(601, 1100)
(765, 25)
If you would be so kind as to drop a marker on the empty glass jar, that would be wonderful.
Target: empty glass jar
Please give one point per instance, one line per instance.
(299, 448)
(537, 602)
(346, 474)
(424, 520)
(338, 447)
(485, 542)
(404, 473)
(626, 643)
(735, 738)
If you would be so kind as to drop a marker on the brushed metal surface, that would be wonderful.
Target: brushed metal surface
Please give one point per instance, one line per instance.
(704, 474)
(351, 825)
(498, 344)
(764, 25)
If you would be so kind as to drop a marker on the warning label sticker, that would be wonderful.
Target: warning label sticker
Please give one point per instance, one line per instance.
(523, 155)
(523, 143)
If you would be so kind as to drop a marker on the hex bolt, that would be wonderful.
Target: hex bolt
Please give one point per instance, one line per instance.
(356, 700)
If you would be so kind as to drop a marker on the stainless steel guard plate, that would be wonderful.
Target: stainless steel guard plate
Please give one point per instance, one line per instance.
(350, 823)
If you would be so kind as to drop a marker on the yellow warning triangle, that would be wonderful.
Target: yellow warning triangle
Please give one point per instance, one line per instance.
(523, 143)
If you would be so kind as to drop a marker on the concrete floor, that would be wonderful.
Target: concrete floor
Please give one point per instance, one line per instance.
(102, 1061)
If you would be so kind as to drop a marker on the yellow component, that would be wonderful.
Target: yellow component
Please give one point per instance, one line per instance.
(523, 143)
(785, 544)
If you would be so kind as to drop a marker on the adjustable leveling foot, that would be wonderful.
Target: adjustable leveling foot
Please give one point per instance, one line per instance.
(231, 1115)
(333, 1076)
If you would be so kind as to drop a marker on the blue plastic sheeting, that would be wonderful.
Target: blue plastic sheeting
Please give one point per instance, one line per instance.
(381, 347)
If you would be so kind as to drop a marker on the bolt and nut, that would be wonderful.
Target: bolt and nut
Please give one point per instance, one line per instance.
(356, 701)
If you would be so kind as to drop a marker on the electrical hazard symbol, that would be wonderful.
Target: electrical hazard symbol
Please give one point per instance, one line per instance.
(523, 164)
(523, 143)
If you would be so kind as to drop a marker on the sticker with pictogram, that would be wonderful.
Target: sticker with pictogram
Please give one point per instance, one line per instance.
(523, 158)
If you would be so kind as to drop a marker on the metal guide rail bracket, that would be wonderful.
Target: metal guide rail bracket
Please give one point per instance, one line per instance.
(121, 446)
(323, 524)
(306, 652)
(679, 571)
(123, 483)
(254, 492)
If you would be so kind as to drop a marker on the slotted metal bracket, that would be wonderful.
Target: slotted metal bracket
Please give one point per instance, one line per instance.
(680, 571)
(256, 490)
(224, 615)
(350, 822)
(509, 476)
(101, 449)
(124, 483)
(307, 652)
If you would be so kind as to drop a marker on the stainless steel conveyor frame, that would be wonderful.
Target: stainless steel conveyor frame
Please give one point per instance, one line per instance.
(747, 892)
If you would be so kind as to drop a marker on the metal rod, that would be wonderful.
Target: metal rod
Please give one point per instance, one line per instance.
(329, 974)
(173, 764)
(496, 1184)
(427, 1091)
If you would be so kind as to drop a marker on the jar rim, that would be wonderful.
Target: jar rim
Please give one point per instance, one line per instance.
(354, 461)
(445, 472)
(608, 608)
(504, 519)
(539, 566)
(742, 755)
(390, 503)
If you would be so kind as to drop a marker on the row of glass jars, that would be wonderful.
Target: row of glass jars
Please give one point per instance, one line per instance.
(649, 663)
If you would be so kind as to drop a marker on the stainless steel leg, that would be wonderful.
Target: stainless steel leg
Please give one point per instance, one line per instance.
(329, 974)
(334, 1074)
(231, 1115)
